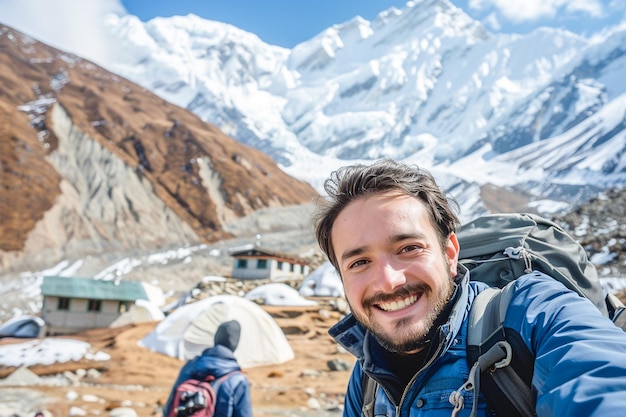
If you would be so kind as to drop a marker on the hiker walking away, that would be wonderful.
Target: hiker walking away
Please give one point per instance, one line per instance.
(233, 391)
(390, 232)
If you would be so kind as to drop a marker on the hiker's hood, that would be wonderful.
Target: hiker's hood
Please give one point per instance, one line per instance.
(217, 360)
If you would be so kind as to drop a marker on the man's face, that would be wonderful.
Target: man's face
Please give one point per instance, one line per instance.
(396, 276)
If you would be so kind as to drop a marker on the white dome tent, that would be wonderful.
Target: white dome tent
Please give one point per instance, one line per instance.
(323, 282)
(23, 326)
(278, 294)
(190, 329)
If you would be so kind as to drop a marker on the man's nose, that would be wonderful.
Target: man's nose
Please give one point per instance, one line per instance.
(391, 277)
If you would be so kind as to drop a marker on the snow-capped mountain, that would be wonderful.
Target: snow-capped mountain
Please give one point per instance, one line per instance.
(425, 84)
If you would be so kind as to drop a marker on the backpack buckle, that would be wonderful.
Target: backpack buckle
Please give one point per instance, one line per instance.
(506, 360)
(514, 253)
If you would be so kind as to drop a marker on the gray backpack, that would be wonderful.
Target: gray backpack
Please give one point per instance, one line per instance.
(498, 249)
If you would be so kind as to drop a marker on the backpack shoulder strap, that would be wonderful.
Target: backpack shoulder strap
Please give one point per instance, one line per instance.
(489, 353)
(487, 313)
(369, 388)
(218, 381)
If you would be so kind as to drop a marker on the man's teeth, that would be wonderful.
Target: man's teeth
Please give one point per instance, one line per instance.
(398, 305)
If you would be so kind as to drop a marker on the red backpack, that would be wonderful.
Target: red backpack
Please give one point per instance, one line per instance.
(196, 398)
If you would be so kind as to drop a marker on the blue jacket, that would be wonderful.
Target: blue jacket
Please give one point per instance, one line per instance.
(580, 365)
(233, 396)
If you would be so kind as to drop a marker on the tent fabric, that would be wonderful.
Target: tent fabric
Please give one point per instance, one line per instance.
(23, 326)
(190, 329)
(278, 294)
(323, 282)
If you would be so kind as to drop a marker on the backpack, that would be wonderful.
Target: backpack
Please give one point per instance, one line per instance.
(497, 249)
(196, 397)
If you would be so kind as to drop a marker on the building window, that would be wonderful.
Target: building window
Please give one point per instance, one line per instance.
(279, 265)
(63, 303)
(242, 263)
(302, 269)
(261, 264)
(94, 305)
(292, 267)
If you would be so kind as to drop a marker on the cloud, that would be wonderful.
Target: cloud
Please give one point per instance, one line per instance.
(75, 26)
(529, 10)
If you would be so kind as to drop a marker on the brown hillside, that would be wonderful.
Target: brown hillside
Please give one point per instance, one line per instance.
(203, 176)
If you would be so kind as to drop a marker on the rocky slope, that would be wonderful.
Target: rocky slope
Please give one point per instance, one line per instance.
(600, 226)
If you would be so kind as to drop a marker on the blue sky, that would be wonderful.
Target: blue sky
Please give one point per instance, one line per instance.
(286, 23)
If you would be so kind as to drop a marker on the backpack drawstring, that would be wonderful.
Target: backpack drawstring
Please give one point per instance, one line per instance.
(520, 253)
(472, 384)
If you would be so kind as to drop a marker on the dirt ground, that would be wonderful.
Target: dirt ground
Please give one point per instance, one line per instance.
(137, 378)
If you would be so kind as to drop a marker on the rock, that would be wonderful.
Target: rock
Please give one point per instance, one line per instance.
(338, 365)
(122, 412)
(313, 404)
(77, 411)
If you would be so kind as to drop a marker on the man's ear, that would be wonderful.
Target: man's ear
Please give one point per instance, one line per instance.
(452, 253)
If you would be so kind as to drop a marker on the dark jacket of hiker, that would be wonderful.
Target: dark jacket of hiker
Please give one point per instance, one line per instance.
(580, 367)
(233, 395)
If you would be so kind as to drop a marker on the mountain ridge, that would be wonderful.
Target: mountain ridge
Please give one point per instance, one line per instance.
(426, 84)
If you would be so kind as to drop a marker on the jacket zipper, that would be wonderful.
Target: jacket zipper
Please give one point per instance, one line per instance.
(410, 385)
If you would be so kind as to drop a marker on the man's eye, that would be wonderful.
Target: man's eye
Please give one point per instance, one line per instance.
(358, 263)
(410, 248)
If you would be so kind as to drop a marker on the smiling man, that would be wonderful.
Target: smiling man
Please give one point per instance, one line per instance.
(389, 230)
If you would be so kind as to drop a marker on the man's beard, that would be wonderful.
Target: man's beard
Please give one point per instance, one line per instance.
(407, 337)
